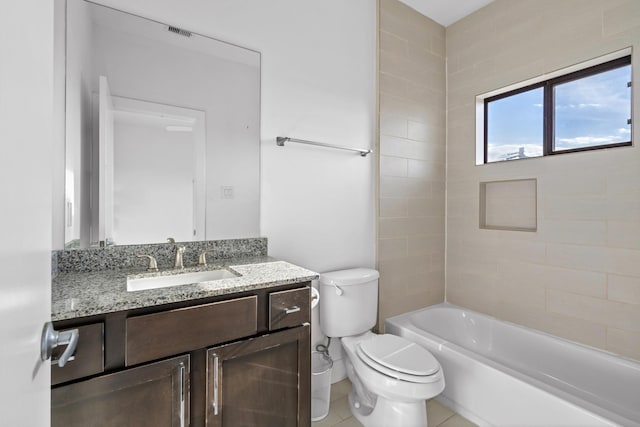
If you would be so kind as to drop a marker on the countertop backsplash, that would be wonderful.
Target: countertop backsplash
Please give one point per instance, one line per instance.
(124, 257)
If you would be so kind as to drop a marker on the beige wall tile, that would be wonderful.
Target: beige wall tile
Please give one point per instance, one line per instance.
(625, 262)
(393, 166)
(392, 43)
(389, 249)
(393, 227)
(622, 18)
(609, 313)
(574, 231)
(590, 258)
(394, 207)
(426, 206)
(429, 170)
(624, 289)
(587, 246)
(623, 234)
(623, 208)
(574, 208)
(412, 160)
(398, 147)
(425, 245)
(623, 342)
(581, 282)
(393, 125)
(392, 85)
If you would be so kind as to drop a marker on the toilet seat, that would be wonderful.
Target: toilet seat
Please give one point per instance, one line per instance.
(398, 358)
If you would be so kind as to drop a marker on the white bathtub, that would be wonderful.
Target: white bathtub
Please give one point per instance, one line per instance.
(501, 374)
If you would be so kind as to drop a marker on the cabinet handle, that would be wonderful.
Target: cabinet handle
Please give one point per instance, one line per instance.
(215, 384)
(293, 309)
(52, 338)
(56, 361)
(183, 379)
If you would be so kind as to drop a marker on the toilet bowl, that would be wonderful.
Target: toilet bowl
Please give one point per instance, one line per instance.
(392, 377)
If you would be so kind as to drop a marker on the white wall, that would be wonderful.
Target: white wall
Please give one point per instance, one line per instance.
(318, 74)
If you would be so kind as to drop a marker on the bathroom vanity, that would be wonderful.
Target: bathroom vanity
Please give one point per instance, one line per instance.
(229, 352)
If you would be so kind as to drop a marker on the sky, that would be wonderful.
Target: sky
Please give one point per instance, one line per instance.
(590, 111)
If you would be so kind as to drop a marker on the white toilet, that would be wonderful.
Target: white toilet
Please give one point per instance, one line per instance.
(392, 377)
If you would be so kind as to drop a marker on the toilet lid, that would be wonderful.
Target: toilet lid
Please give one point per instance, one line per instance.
(398, 357)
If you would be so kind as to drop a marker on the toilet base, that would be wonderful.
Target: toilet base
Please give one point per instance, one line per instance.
(389, 413)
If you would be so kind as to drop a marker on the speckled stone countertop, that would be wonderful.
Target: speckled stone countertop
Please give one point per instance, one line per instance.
(80, 294)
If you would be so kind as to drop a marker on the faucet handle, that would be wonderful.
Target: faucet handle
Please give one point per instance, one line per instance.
(202, 259)
(171, 240)
(153, 265)
(179, 254)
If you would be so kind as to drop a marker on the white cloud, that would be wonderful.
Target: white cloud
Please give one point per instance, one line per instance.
(587, 141)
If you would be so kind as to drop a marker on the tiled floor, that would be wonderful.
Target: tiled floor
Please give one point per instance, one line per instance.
(340, 415)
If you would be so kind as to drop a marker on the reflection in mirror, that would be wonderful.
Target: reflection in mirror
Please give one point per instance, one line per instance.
(162, 132)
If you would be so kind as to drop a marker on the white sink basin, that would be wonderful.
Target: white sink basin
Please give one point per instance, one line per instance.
(144, 283)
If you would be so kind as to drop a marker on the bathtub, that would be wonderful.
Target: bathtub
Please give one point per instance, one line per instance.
(501, 374)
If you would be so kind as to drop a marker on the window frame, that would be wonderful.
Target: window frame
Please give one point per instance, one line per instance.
(548, 113)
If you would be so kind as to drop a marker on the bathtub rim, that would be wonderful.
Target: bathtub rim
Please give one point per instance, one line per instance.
(404, 321)
(625, 359)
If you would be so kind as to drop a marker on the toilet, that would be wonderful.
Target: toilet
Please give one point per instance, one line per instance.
(391, 376)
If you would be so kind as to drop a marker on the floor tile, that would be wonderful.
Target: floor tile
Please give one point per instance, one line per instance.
(341, 408)
(340, 389)
(329, 421)
(349, 422)
(340, 414)
(437, 413)
(457, 421)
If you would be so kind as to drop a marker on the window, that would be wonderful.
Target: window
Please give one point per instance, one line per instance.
(583, 110)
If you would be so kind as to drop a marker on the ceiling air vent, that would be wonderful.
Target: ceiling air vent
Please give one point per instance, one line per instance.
(180, 31)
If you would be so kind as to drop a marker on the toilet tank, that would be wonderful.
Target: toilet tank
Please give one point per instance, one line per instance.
(348, 301)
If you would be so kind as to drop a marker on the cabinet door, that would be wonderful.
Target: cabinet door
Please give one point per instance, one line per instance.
(261, 382)
(156, 394)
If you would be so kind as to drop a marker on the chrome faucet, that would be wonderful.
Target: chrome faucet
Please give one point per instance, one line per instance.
(202, 259)
(153, 265)
(179, 253)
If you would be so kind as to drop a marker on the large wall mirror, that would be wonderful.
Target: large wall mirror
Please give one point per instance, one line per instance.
(162, 132)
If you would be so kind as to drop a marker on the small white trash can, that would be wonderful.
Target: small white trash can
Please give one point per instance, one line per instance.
(321, 365)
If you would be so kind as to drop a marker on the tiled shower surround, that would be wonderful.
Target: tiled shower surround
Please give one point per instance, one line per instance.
(578, 275)
(121, 257)
(411, 230)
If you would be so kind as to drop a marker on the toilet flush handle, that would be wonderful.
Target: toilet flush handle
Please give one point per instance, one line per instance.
(339, 290)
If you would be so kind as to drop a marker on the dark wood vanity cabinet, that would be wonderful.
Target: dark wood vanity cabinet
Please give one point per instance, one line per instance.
(155, 394)
(260, 382)
(241, 360)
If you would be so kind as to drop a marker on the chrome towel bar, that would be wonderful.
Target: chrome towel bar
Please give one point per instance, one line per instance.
(282, 139)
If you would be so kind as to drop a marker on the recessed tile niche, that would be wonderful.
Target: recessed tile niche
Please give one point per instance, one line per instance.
(509, 205)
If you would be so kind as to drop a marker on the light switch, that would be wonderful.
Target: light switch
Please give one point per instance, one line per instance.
(227, 192)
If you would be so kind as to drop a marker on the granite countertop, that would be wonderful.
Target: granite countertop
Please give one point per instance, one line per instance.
(83, 294)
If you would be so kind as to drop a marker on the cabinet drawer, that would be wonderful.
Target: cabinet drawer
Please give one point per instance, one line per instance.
(289, 308)
(167, 333)
(88, 359)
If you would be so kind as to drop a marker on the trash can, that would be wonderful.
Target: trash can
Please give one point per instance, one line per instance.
(321, 365)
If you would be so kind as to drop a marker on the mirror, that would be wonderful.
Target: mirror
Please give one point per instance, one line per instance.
(162, 132)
